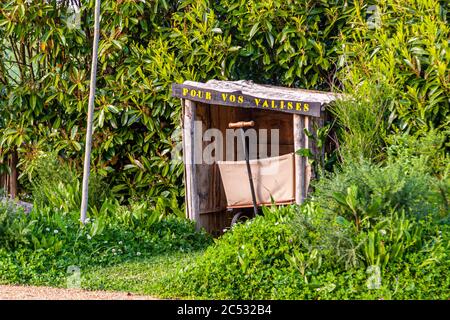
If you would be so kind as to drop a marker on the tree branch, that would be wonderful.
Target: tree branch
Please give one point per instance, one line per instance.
(16, 55)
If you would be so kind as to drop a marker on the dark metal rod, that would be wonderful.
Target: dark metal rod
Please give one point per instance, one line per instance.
(249, 172)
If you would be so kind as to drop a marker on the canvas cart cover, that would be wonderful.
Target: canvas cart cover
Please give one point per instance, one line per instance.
(273, 179)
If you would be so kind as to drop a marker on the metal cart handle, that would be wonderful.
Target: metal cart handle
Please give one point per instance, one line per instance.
(245, 124)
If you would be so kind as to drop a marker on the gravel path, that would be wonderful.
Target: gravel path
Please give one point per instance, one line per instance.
(47, 293)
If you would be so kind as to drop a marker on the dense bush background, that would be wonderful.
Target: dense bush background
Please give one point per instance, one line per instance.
(384, 205)
(146, 46)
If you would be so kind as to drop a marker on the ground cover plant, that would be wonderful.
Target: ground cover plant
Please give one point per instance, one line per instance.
(345, 243)
(39, 247)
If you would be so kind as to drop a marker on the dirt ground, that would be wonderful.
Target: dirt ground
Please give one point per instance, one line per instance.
(47, 293)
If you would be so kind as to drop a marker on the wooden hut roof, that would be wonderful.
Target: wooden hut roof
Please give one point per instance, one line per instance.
(250, 88)
(247, 94)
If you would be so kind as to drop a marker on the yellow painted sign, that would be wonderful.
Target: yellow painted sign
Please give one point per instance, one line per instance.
(238, 99)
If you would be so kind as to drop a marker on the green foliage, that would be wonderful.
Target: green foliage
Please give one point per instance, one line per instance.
(430, 148)
(283, 42)
(330, 236)
(304, 253)
(402, 45)
(289, 253)
(250, 255)
(47, 241)
(141, 276)
(363, 191)
(370, 231)
(57, 185)
(391, 238)
(44, 91)
(362, 120)
(14, 229)
(145, 46)
(334, 241)
(394, 62)
(326, 157)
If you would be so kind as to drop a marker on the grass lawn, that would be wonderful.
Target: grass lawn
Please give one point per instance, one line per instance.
(145, 276)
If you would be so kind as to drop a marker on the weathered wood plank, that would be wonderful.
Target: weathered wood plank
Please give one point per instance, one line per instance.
(266, 91)
(274, 120)
(241, 99)
(282, 150)
(299, 163)
(192, 201)
(307, 145)
(183, 139)
(209, 188)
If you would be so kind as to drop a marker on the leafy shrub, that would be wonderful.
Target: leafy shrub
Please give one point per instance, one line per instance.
(403, 45)
(362, 120)
(332, 237)
(247, 262)
(363, 218)
(273, 256)
(47, 241)
(56, 184)
(283, 42)
(314, 45)
(291, 43)
(15, 229)
(363, 190)
(431, 147)
(335, 242)
(393, 237)
(284, 255)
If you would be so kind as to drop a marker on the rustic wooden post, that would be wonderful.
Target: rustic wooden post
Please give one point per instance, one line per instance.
(189, 161)
(299, 169)
(183, 148)
(302, 165)
(307, 164)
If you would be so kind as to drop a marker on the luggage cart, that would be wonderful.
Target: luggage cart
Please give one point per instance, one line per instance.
(270, 180)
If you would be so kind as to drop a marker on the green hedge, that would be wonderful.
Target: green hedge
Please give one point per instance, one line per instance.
(146, 46)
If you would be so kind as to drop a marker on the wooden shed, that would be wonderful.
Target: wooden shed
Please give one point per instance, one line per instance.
(215, 105)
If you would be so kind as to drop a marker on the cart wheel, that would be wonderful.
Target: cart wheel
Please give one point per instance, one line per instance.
(239, 217)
